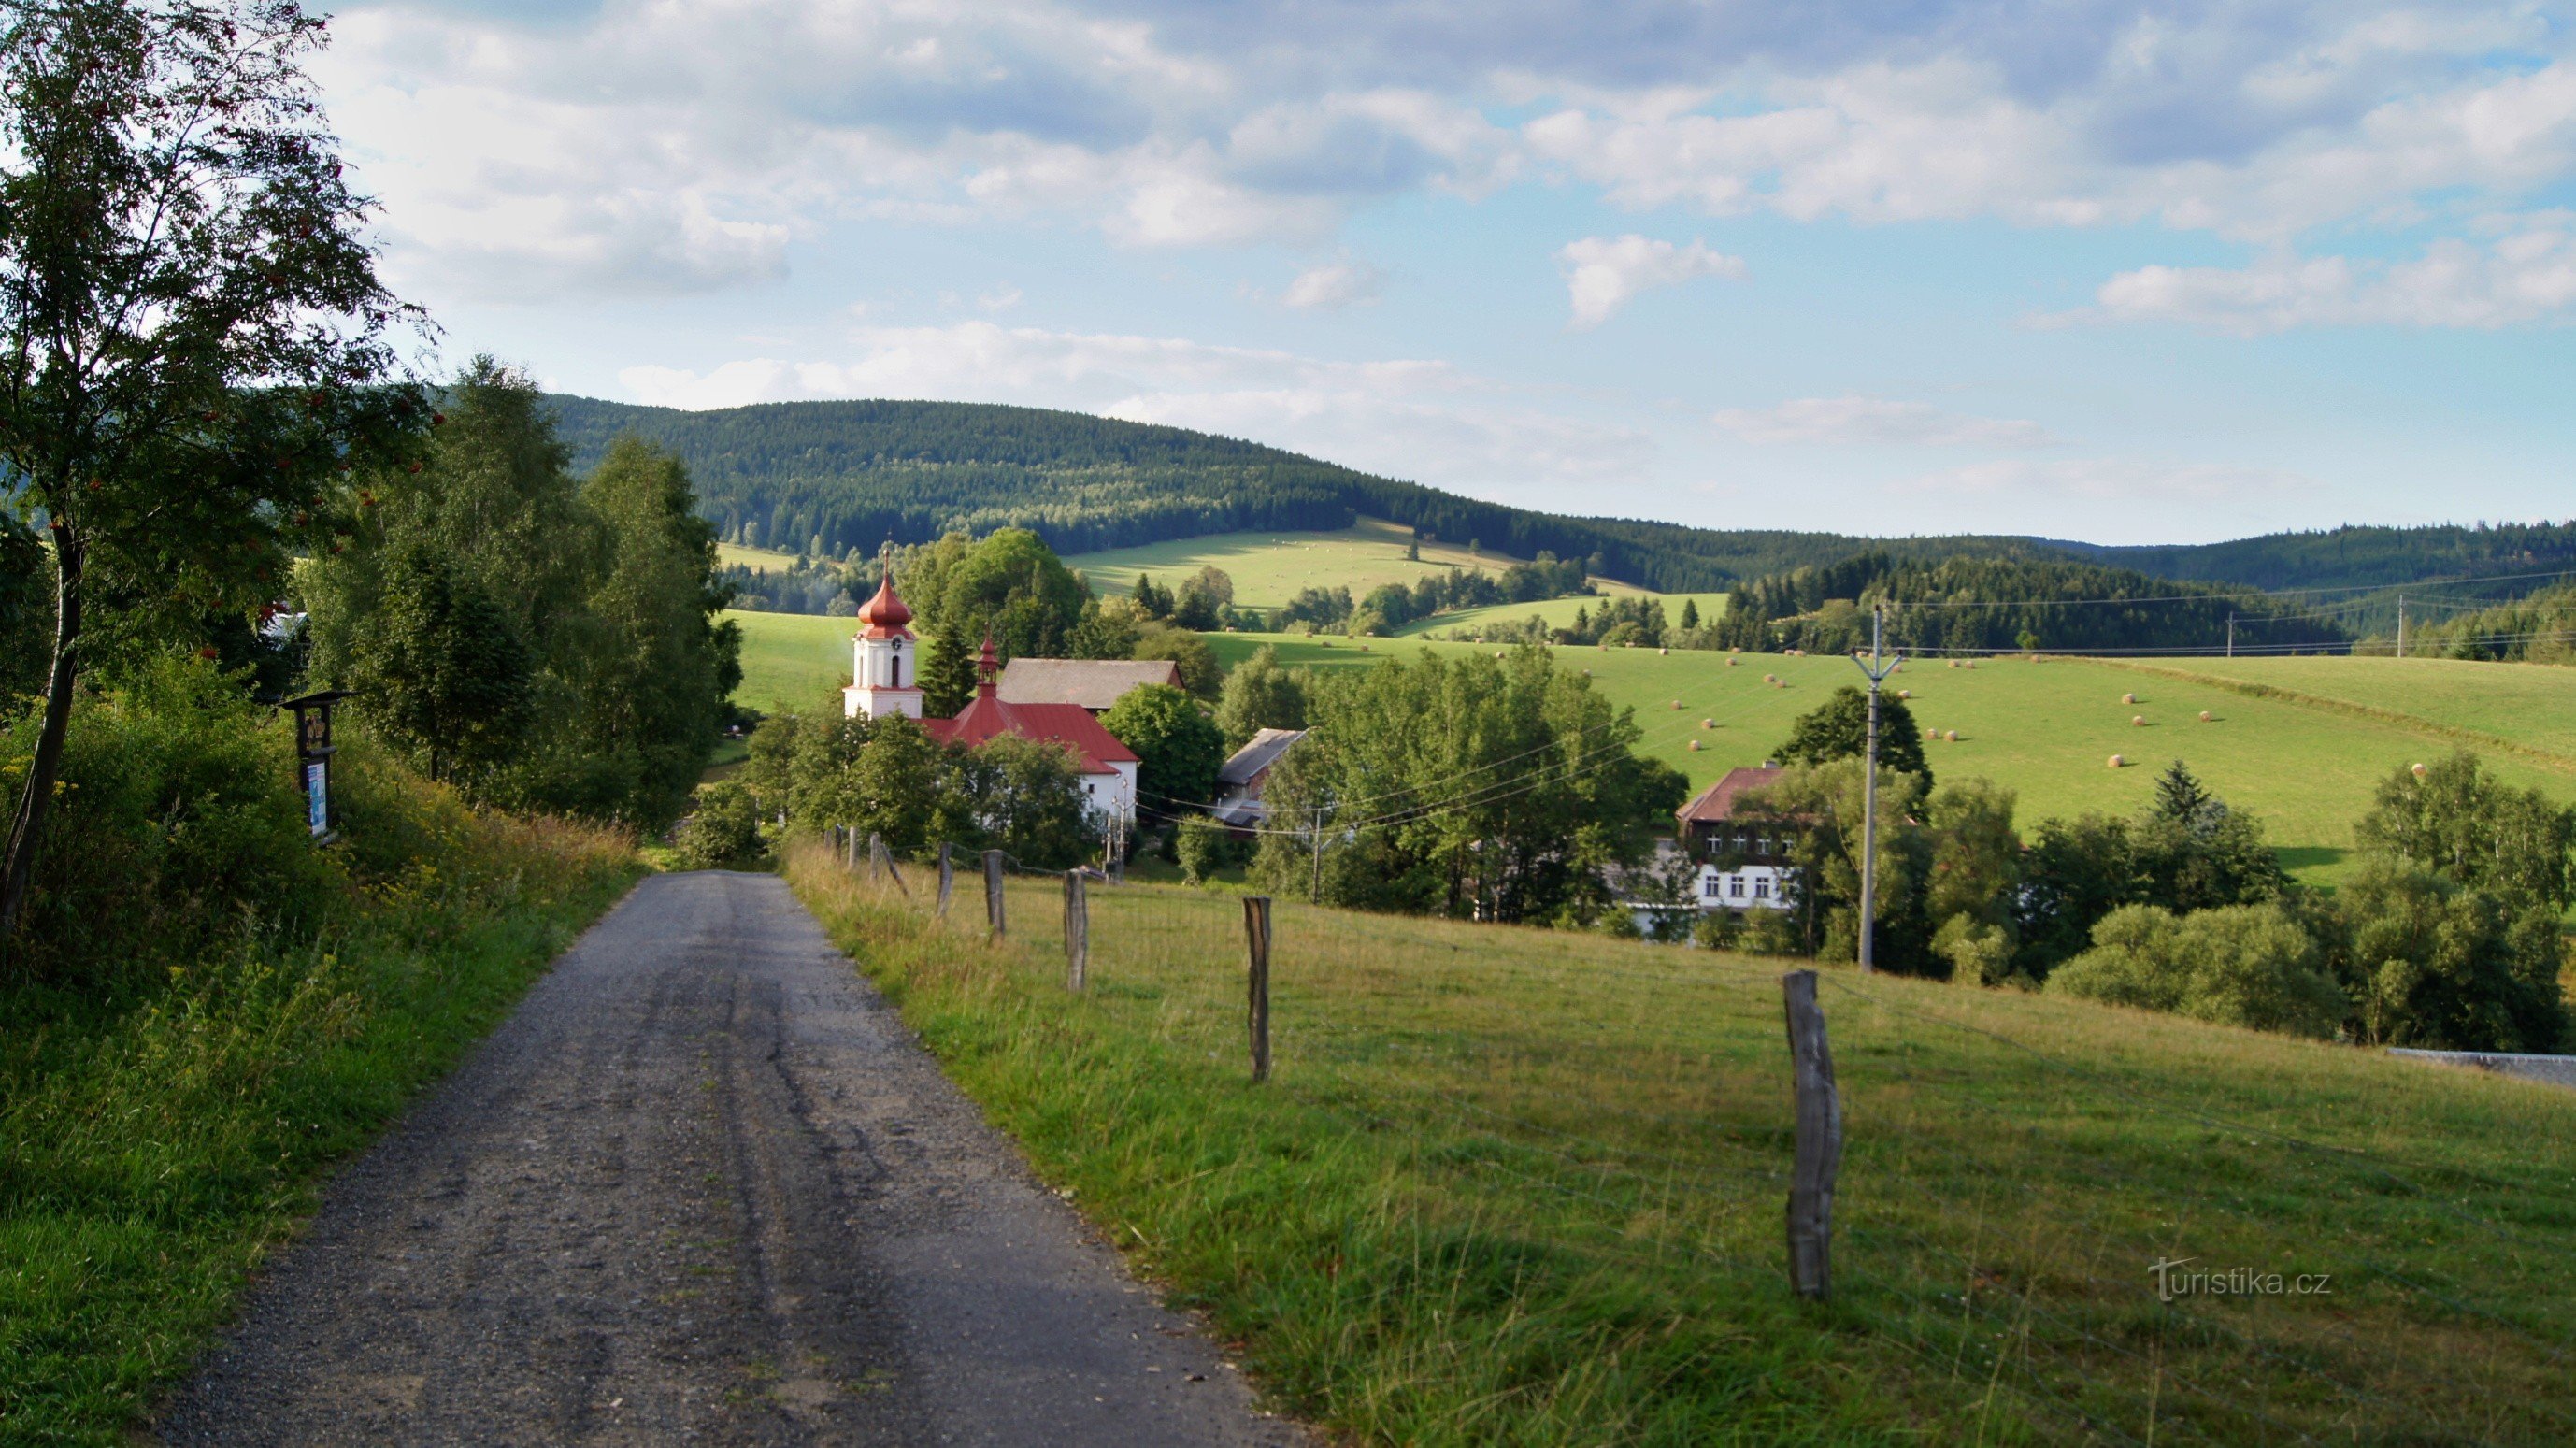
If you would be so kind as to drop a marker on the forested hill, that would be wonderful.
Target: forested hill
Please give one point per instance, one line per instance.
(833, 476)
(850, 474)
(2357, 557)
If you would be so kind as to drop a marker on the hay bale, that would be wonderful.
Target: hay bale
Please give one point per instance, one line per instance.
(1708, 723)
(2117, 762)
(1694, 744)
(1732, 661)
(1770, 678)
(1905, 693)
(2138, 721)
(2204, 716)
(2128, 698)
(1663, 651)
(1952, 736)
(2418, 771)
(1677, 703)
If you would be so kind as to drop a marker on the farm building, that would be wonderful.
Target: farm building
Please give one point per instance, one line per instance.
(1239, 782)
(1744, 861)
(1094, 684)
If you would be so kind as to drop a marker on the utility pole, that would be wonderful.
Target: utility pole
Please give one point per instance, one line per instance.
(2231, 635)
(1869, 792)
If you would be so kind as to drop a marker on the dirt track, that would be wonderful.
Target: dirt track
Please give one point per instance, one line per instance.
(703, 1187)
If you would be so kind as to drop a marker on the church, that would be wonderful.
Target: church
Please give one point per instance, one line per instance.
(885, 679)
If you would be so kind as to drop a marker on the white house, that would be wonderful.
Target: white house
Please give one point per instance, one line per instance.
(1756, 851)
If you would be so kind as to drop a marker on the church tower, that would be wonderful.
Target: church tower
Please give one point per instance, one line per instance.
(884, 663)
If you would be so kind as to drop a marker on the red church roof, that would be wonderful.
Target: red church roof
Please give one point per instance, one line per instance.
(1070, 725)
(885, 615)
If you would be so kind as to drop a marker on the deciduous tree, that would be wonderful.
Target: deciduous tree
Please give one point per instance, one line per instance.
(196, 336)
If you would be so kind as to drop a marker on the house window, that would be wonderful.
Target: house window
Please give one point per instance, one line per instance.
(1762, 888)
(1735, 886)
(1708, 886)
(1762, 846)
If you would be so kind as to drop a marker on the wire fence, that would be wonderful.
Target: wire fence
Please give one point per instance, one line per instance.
(2094, 1226)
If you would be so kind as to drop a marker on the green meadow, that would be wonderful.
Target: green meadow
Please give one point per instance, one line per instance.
(1269, 568)
(1526, 1187)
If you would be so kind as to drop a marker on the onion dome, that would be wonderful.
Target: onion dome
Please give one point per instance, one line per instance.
(885, 610)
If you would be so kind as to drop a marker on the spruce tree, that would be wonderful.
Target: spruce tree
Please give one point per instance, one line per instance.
(1690, 613)
(947, 676)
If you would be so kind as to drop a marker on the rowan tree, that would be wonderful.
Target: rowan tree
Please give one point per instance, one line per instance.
(193, 339)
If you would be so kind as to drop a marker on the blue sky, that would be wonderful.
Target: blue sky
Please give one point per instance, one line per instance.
(2077, 270)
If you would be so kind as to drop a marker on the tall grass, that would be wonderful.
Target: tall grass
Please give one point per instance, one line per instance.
(1515, 1186)
(157, 1139)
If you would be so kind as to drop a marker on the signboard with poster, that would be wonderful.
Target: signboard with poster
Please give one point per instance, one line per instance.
(313, 757)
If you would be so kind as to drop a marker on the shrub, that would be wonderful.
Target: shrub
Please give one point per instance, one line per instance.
(724, 831)
(1203, 847)
(2240, 965)
(2437, 964)
(179, 819)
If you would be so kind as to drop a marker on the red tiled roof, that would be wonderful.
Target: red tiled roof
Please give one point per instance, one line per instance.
(1070, 725)
(1717, 802)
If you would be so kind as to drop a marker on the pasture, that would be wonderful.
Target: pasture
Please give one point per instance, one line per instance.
(1269, 568)
(1525, 1186)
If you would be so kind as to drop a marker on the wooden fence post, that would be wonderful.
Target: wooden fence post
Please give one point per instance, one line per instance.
(993, 895)
(947, 878)
(1820, 1139)
(1077, 931)
(850, 848)
(881, 862)
(1256, 941)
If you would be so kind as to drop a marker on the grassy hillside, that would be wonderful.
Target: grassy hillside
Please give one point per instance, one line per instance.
(1512, 1186)
(2533, 706)
(2045, 729)
(791, 658)
(733, 555)
(2048, 729)
(1269, 568)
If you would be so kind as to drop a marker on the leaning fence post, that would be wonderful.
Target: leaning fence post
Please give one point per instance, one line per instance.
(1820, 1139)
(881, 862)
(992, 894)
(1077, 931)
(1256, 941)
(947, 878)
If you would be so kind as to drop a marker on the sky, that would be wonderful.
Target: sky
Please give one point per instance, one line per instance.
(2046, 267)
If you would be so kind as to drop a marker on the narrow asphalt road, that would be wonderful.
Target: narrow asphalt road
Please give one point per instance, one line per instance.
(703, 1187)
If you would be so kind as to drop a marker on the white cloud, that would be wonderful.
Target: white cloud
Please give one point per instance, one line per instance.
(1877, 422)
(1602, 273)
(1000, 299)
(1333, 285)
(1422, 420)
(2524, 277)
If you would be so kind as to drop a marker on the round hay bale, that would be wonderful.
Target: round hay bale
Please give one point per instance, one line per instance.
(1770, 678)
(2419, 771)
(1363, 648)
(1708, 723)
(2117, 762)
(1587, 673)
(2128, 698)
(1694, 746)
(2138, 721)
(1732, 661)
(2204, 716)
(1905, 693)
(1663, 651)
(1951, 735)
(1677, 703)
(1499, 653)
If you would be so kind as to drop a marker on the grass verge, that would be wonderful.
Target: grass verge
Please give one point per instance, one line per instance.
(153, 1150)
(1517, 1186)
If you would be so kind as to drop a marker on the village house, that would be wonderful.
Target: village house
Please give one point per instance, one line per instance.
(1094, 684)
(1744, 863)
(885, 680)
(1239, 781)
